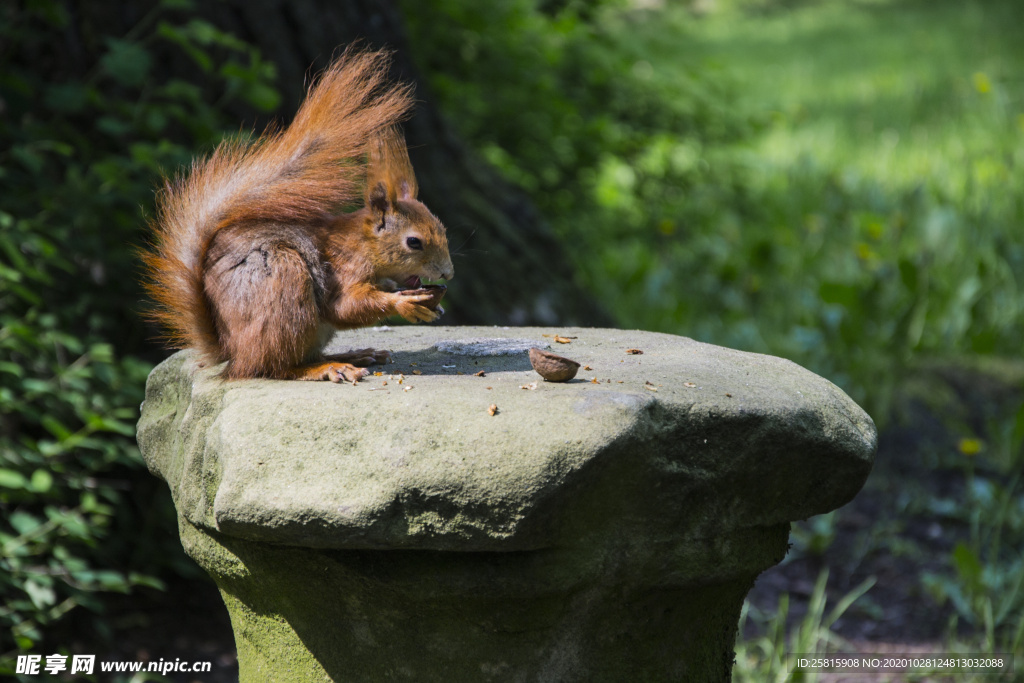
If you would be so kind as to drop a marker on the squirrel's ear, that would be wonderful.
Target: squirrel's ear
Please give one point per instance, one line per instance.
(389, 169)
(407, 190)
(377, 198)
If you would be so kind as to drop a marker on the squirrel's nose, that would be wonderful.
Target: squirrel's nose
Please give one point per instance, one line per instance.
(448, 276)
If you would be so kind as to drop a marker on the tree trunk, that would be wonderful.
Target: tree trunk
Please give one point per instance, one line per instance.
(509, 267)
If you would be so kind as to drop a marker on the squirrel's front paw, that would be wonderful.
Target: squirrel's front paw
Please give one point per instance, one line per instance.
(345, 372)
(409, 308)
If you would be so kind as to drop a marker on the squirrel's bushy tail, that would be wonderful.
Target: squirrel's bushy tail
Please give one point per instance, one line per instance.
(293, 176)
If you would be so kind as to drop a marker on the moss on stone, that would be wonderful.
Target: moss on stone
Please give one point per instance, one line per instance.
(590, 531)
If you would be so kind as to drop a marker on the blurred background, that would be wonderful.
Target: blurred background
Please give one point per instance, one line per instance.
(838, 182)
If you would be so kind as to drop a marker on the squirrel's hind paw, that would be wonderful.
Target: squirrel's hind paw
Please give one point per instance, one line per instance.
(333, 371)
(346, 372)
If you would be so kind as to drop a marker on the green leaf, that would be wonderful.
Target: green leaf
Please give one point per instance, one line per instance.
(835, 293)
(144, 580)
(967, 565)
(102, 353)
(41, 481)
(54, 426)
(12, 480)
(125, 62)
(12, 368)
(261, 96)
(23, 522)
(9, 273)
(67, 98)
(984, 342)
(184, 40)
(112, 581)
(908, 274)
(113, 126)
(41, 596)
(89, 502)
(1018, 429)
(205, 33)
(117, 426)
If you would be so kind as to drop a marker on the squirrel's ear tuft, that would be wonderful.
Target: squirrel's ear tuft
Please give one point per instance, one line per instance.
(389, 168)
(377, 198)
(405, 191)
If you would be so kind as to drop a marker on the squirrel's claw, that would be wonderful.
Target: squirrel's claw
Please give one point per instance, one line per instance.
(422, 314)
(345, 372)
(414, 312)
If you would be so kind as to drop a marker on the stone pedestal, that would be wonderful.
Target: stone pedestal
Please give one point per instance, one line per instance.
(588, 531)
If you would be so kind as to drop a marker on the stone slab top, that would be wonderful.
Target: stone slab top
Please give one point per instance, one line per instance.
(682, 441)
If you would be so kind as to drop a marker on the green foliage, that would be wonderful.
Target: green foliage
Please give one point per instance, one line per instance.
(762, 659)
(986, 584)
(712, 180)
(814, 536)
(79, 156)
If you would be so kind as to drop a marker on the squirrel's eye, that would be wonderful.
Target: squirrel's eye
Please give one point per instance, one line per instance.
(414, 243)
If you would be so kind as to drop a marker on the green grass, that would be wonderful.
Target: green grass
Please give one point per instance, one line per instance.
(900, 92)
(763, 658)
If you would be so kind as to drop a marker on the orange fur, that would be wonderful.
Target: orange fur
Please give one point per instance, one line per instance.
(249, 261)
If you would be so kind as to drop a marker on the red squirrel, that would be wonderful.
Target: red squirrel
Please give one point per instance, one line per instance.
(253, 266)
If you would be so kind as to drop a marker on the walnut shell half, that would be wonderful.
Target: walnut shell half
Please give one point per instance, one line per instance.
(437, 293)
(552, 367)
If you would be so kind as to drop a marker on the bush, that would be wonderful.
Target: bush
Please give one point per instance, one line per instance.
(83, 146)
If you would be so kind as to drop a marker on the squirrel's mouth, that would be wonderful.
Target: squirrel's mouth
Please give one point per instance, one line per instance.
(413, 282)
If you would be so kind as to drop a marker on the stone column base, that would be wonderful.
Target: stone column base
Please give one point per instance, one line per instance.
(303, 615)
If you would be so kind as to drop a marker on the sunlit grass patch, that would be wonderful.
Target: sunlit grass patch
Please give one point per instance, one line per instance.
(900, 92)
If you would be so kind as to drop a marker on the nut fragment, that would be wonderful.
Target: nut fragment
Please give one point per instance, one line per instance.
(634, 352)
(552, 367)
(492, 410)
(436, 293)
(479, 374)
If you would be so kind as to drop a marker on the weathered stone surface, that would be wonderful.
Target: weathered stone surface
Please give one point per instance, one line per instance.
(600, 530)
(756, 441)
(485, 346)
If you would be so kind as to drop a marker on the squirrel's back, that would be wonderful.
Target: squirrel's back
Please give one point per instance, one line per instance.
(295, 177)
